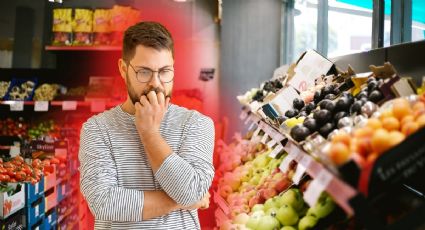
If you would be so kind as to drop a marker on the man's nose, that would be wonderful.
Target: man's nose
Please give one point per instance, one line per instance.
(155, 82)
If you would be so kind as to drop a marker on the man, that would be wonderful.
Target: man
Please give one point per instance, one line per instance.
(147, 164)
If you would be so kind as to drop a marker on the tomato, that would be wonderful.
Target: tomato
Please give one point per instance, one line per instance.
(54, 161)
(21, 176)
(36, 163)
(2, 177)
(7, 177)
(11, 173)
(8, 165)
(12, 180)
(27, 169)
(18, 158)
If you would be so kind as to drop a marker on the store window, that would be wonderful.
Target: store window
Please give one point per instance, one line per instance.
(418, 20)
(305, 26)
(350, 27)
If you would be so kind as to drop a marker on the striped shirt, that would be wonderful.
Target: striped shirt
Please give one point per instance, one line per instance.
(115, 169)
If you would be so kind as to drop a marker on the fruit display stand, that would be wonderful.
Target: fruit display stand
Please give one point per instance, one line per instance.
(354, 140)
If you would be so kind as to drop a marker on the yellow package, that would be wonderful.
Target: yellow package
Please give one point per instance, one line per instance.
(101, 21)
(83, 21)
(62, 19)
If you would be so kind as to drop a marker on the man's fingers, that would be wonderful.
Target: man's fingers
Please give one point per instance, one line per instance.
(144, 101)
(161, 98)
(153, 99)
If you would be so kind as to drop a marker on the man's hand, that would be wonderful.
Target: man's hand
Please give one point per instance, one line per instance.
(149, 113)
(202, 204)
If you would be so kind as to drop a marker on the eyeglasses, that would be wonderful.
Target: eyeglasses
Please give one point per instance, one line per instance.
(145, 75)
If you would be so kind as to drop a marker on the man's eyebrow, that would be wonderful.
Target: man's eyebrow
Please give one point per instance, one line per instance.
(145, 67)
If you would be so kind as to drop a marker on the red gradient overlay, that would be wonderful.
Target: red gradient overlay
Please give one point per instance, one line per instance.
(193, 51)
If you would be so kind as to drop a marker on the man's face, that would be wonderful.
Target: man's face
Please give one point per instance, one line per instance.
(146, 58)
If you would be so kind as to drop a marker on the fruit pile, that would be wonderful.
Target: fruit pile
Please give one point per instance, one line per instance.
(43, 129)
(4, 87)
(388, 129)
(11, 127)
(328, 112)
(17, 170)
(266, 90)
(46, 92)
(286, 211)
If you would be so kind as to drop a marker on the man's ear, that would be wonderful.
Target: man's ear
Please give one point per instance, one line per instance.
(122, 66)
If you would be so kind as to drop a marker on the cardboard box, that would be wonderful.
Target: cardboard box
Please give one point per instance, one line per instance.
(13, 201)
(15, 221)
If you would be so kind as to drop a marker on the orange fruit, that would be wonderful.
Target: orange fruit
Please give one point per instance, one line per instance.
(391, 123)
(396, 138)
(406, 119)
(421, 120)
(339, 153)
(379, 141)
(401, 108)
(386, 113)
(409, 128)
(342, 137)
(374, 123)
(418, 112)
(363, 132)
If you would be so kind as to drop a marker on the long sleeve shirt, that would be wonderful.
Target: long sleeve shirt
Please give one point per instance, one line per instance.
(115, 170)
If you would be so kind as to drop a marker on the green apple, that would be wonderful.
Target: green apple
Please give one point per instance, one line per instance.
(307, 222)
(257, 207)
(253, 222)
(324, 206)
(268, 223)
(269, 204)
(272, 211)
(288, 228)
(255, 179)
(287, 215)
(293, 198)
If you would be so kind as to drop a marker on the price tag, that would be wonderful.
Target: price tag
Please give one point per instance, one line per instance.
(69, 105)
(264, 138)
(285, 163)
(317, 186)
(248, 119)
(243, 115)
(97, 106)
(276, 151)
(17, 106)
(271, 143)
(14, 151)
(256, 132)
(41, 106)
(302, 166)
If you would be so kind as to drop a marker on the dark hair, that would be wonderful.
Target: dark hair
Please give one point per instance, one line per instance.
(149, 34)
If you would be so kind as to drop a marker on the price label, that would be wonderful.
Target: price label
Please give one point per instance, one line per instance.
(243, 115)
(271, 143)
(14, 151)
(41, 106)
(317, 186)
(285, 163)
(264, 138)
(276, 151)
(256, 132)
(17, 106)
(302, 167)
(97, 106)
(69, 105)
(248, 119)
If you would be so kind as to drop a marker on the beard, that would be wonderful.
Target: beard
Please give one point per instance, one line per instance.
(134, 97)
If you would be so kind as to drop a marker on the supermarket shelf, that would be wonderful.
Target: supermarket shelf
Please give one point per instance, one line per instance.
(323, 179)
(65, 105)
(83, 48)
